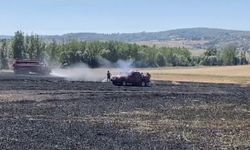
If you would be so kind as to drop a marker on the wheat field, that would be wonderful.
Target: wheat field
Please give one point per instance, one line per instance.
(221, 74)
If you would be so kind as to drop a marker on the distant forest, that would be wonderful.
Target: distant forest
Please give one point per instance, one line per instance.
(92, 53)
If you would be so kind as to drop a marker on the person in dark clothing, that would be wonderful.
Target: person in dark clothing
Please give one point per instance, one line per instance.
(108, 76)
(149, 75)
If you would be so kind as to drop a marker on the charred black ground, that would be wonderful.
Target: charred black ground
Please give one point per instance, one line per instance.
(51, 113)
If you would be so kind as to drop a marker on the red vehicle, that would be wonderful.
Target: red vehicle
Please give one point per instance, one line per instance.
(133, 78)
(30, 66)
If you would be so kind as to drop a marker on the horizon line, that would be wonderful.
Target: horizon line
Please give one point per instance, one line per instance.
(110, 33)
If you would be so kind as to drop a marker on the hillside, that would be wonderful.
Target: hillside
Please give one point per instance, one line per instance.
(193, 38)
(5, 37)
(212, 37)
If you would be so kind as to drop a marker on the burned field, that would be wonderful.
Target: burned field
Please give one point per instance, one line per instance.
(51, 113)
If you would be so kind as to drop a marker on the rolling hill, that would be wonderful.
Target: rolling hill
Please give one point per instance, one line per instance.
(193, 38)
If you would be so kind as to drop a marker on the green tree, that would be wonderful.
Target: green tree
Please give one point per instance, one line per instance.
(39, 48)
(229, 55)
(30, 42)
(210, 52)
(52, 51)
(213, 60)
(243, 58)
(18, 46)
(3, 55)
(160, 60)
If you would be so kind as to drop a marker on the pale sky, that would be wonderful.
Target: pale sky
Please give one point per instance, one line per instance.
(123, 16)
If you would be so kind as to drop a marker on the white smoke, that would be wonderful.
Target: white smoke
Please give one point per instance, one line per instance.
(104, 63)
(79, 72)
(125, 66)
(82, 72)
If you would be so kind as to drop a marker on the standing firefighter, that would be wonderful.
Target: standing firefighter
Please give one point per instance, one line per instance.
(108, 76)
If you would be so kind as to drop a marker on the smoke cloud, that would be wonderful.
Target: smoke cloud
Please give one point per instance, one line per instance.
(79, 72)
(125, 66)
(82, 72)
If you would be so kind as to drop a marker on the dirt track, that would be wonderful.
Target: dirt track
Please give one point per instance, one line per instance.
(50, 113)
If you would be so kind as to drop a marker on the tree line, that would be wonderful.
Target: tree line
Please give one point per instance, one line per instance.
(96, 52)
(229, 55)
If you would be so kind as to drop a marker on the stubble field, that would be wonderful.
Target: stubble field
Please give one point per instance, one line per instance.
(221, 74)
(52, 113)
